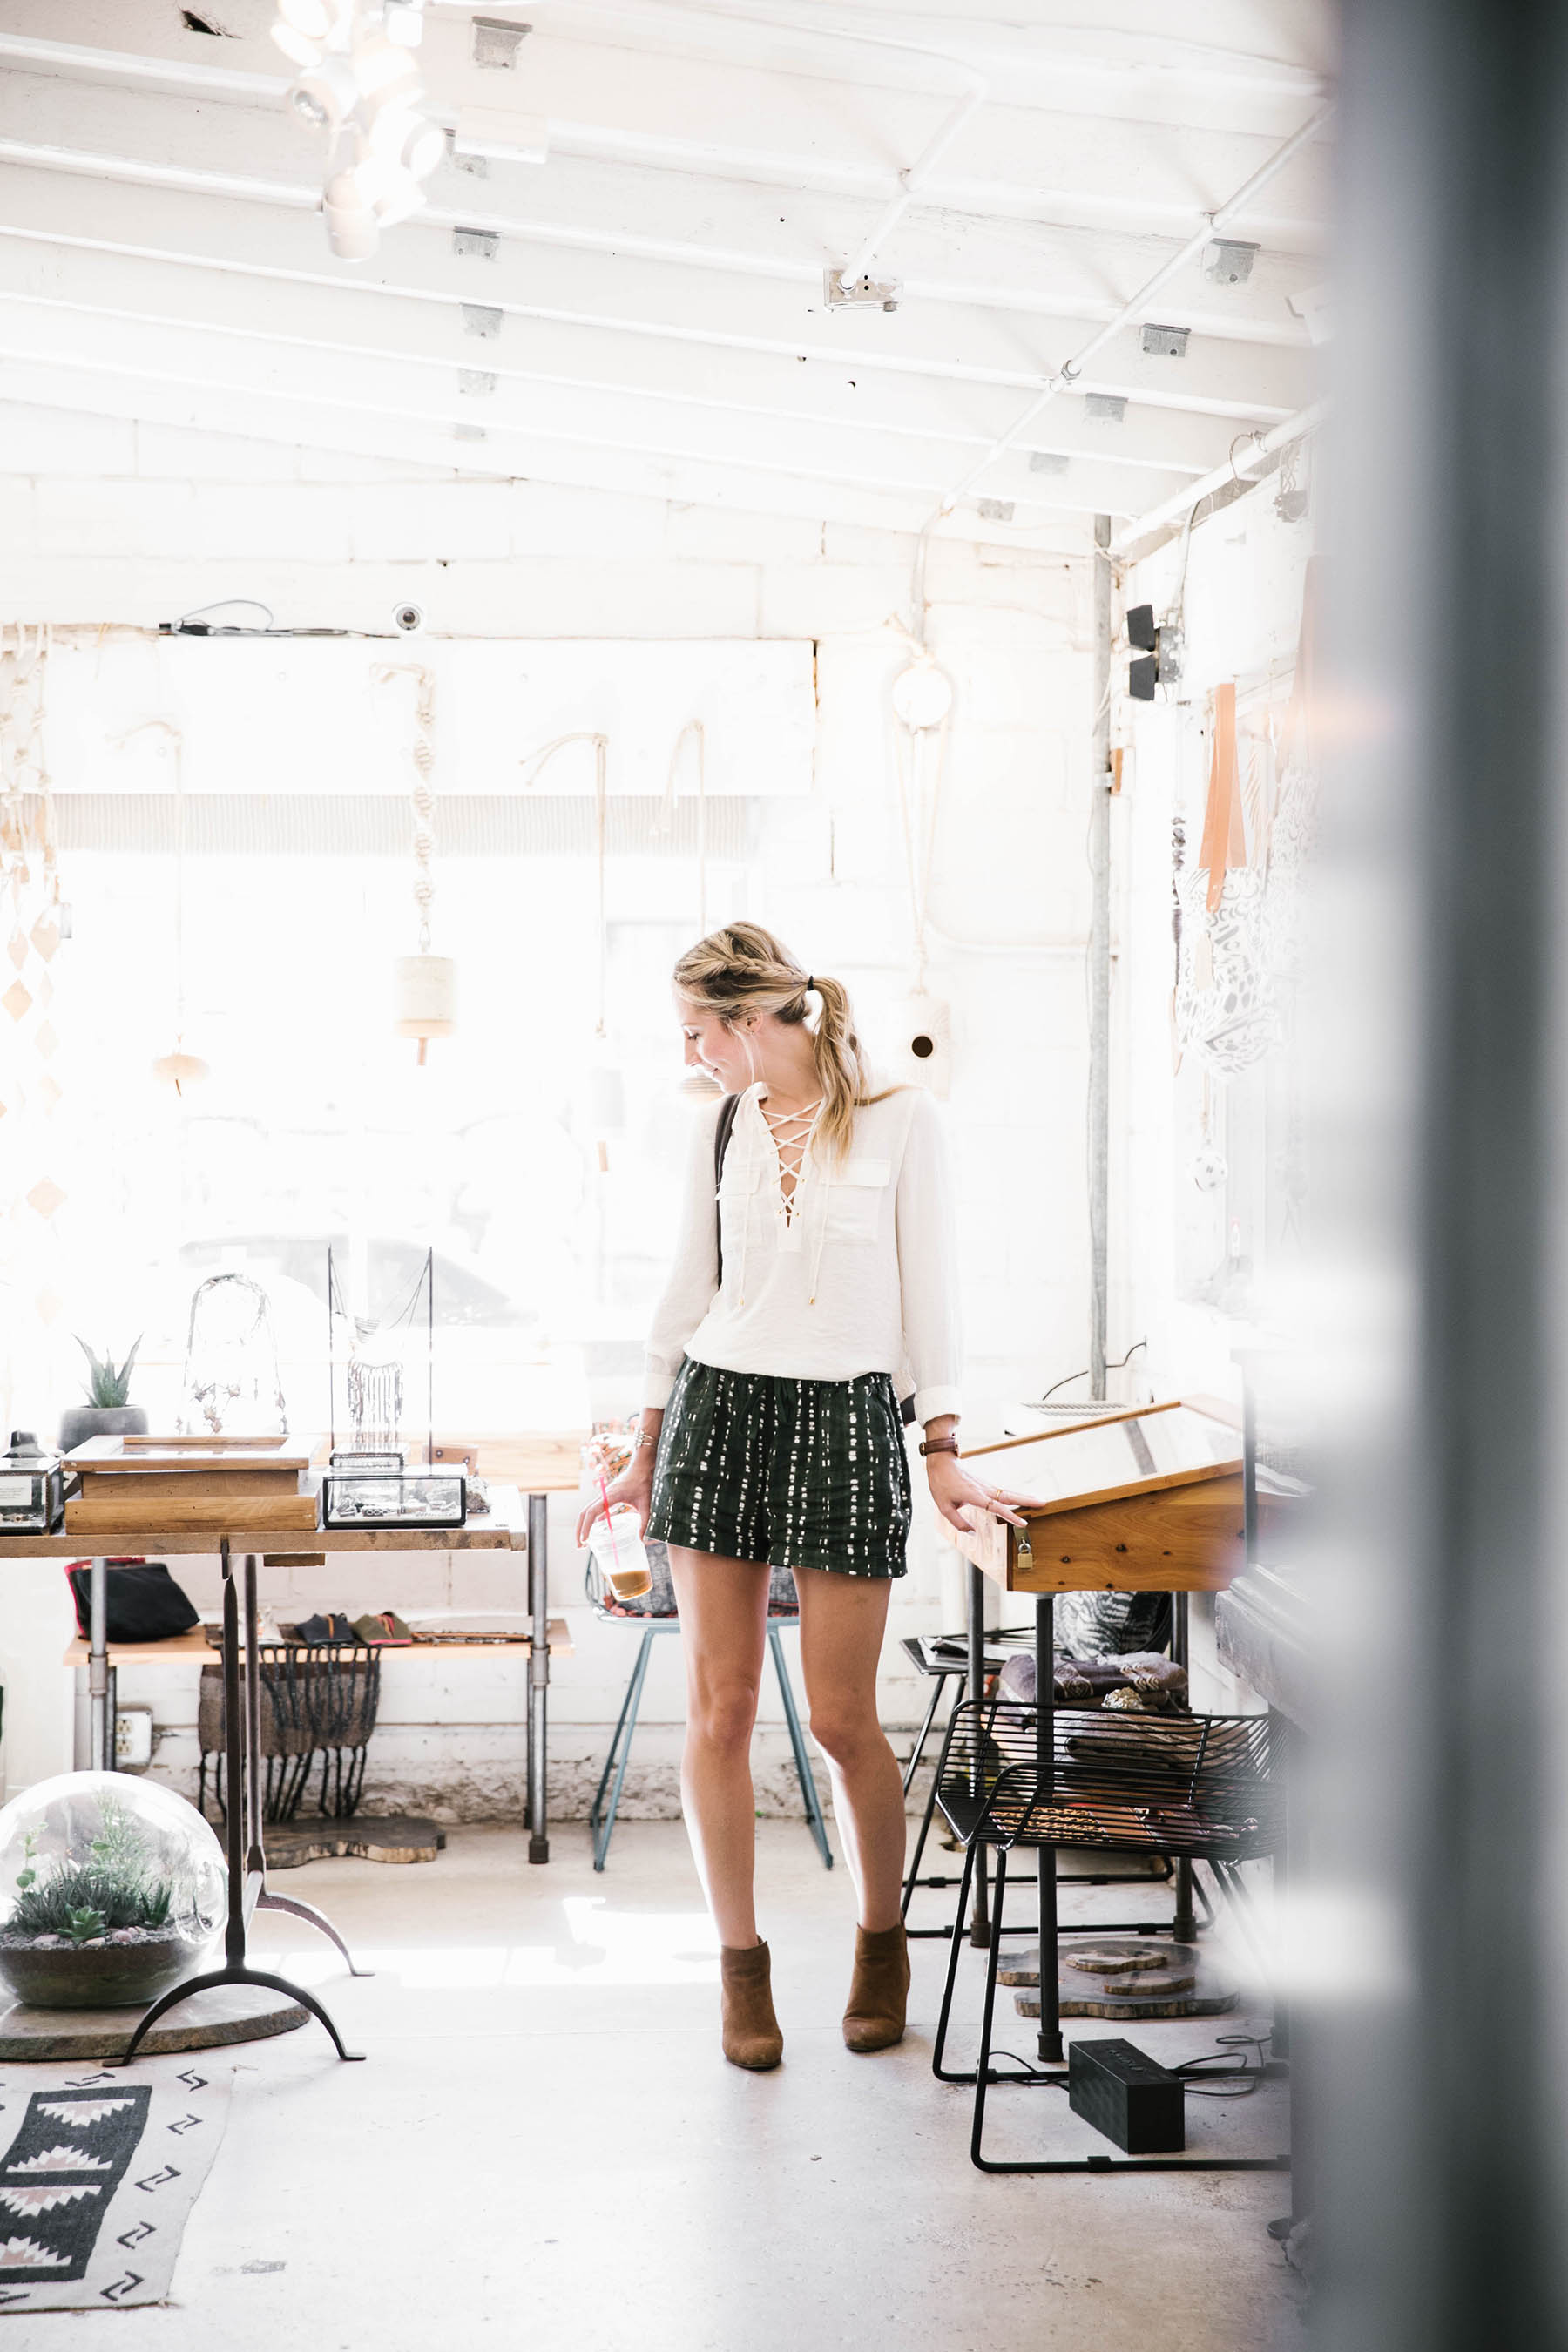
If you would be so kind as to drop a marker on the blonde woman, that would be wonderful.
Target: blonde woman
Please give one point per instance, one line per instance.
(771, 1433)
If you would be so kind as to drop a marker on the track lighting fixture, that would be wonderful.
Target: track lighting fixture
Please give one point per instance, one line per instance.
(358, 81)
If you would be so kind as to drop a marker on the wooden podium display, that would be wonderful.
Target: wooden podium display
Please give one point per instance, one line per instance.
(1140, 1499)
(1146, 1499)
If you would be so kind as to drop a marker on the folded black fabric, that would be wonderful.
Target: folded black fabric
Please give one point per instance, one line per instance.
(321, 1632)
(142, 1601)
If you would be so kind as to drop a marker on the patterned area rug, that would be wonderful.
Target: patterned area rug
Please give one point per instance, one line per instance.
(97, 2177)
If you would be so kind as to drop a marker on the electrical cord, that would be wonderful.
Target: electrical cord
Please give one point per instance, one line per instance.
(1251, 2078)
(1118, 1366)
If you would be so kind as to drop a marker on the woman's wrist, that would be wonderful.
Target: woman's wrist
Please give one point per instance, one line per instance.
(942, 1435)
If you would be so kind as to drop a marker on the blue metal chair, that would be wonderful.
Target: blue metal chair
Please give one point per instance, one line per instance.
(601, 1817)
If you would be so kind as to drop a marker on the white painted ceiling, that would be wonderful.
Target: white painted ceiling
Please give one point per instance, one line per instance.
(649, 315)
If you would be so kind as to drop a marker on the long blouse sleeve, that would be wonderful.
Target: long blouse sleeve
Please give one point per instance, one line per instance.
(693, 1281)
(928, 1264)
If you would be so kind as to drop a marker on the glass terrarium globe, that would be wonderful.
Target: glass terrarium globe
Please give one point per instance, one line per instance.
(111, 1888)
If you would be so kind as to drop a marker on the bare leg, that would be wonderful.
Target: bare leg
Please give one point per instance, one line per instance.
(842, 1620)
(723, 1625)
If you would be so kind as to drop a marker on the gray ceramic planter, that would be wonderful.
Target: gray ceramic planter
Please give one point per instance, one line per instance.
(80, 1422)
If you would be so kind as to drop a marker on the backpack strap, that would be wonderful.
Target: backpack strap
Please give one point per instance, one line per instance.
(722, 1134)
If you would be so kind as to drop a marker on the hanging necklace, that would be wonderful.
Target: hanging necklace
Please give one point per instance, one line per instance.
(792, 1131)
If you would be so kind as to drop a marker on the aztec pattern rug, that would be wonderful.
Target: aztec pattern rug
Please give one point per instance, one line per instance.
(98, 2175)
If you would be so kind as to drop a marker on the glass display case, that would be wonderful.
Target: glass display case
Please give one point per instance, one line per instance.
(359, 1497)
(33, 1486)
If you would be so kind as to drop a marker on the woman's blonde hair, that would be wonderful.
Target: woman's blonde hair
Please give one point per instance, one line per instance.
(743, 969)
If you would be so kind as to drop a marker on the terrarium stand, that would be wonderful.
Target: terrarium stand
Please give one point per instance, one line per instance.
(248, 1889)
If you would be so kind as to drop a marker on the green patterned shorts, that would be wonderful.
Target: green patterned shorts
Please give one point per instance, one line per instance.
(798, 1474)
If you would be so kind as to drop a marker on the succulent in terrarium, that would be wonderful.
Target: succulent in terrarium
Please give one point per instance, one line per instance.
(112, 1889)
(109, 1384)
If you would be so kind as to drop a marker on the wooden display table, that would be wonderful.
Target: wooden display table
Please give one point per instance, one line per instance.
(548, 1464)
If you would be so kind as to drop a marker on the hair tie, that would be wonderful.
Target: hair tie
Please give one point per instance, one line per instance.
(810, 984)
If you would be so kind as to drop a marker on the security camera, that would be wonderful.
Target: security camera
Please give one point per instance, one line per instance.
(409, 618)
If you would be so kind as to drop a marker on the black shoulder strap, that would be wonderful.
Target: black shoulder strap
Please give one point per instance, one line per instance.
(722, 1134)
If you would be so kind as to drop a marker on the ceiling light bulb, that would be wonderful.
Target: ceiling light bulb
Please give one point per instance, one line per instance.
(295, 46)
(325, 94)
(314, 18)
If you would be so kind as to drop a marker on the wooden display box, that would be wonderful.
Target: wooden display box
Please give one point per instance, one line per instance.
(212, 1484)
(1148, 1499)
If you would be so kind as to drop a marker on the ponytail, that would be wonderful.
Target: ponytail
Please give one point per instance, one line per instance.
(744, 968)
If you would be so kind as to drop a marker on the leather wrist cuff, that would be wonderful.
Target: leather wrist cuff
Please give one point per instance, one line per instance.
(939, 1445)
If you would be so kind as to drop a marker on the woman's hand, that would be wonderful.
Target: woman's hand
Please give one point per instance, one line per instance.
(635, 1485)
(962, 1499)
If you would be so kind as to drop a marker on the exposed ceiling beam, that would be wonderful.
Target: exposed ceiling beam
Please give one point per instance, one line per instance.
(1072, 274)
(566, 359)
(219, 411)
(523, 418)
(744, 125)
(1086, 66)
(1251, 384)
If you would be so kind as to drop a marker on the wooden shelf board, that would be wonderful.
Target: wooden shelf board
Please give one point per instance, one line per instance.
(196, 1645)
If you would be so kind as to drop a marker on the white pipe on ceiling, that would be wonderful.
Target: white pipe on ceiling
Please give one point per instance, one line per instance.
(1185, 502)
(1134, 308)
(977, 90)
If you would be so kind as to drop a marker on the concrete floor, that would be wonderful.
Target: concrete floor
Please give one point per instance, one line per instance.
(547, 2148)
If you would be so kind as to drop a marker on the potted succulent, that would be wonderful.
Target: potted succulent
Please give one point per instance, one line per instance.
(106, 1412)
(110, 1893)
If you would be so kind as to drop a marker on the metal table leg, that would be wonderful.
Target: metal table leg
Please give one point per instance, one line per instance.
(538, 1676)
(980, 1919)
(256, 1857)
(100, 1735)
(1183, 1927)
(247, 1880)
(1049, 2045)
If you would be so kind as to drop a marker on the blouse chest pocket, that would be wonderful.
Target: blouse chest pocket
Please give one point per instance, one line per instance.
(737, 1186)
(855, 1200)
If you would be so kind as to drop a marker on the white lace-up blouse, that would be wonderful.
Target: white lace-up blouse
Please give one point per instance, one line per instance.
(857, 1274)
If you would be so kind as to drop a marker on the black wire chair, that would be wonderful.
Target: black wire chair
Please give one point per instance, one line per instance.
(1201, 1787)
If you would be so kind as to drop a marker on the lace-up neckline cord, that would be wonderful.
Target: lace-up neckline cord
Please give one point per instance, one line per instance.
(792, 1131)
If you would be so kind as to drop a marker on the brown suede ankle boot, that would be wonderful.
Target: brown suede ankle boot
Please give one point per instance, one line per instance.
(750, 2031)
(879, 1993)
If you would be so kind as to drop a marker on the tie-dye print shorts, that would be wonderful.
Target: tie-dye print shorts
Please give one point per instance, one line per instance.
(798, 1474)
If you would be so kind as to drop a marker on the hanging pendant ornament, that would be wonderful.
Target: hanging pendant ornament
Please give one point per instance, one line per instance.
(423, 986)
(922, 705)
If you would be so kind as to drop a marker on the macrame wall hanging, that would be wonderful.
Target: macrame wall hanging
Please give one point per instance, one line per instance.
(231, 1385)
(1225, 1007)
(423, 986)
(1293, 824)
(34, 920)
